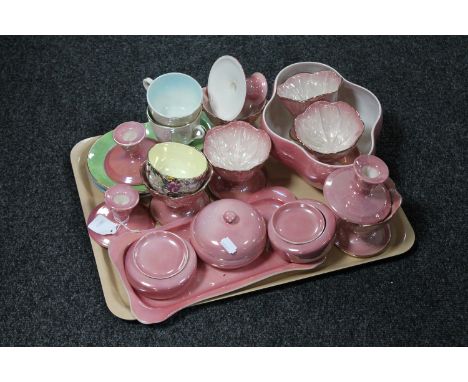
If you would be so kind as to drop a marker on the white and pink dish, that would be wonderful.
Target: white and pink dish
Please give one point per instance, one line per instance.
(329, 129)
(278, 122)
(301, 90)
(237, 151)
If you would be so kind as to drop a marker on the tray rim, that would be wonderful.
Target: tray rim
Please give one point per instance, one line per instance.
(123, 310)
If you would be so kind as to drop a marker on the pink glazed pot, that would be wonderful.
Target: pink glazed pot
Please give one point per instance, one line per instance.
(302, 230)
(277, 121)
(228, 234)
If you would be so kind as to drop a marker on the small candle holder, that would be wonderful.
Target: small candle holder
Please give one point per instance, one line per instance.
(123, 162)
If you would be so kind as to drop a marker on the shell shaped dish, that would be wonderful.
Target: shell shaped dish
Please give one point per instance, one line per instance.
(329, 127)
(302, 89)
(237, 146)
(277, 121)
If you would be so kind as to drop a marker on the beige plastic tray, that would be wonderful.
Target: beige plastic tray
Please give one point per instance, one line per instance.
(114, 293)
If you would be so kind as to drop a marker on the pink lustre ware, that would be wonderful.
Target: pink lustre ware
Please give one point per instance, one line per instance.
(329, 129)
(166, 208)
(121, 211)
(228, 234)
(160, 265)
(300, 90)
(230, 96)
(122, 163)
(237, 152)
(364, 199)
(278, 122)
(208, 281)
(302, 230)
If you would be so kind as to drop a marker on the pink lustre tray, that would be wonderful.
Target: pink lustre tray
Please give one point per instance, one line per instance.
(270, 271)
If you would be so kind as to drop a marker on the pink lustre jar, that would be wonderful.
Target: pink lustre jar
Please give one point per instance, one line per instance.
(228, 234)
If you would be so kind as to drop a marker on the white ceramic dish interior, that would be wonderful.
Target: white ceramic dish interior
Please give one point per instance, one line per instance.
(237, 146)
(329, 127)
(227, 88)
(177, 160)
(279, 121)
(304, 86)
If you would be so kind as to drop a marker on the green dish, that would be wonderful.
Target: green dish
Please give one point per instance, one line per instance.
(98, 152)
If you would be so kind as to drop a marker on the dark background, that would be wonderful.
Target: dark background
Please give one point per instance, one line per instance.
(56, 91)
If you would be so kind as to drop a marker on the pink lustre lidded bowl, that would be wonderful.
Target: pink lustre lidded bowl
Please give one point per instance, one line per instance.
(278, 122)
(160, 265)
(228, 234)
(302, 230)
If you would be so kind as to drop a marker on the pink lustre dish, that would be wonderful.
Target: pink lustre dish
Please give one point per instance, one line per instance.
(301, 90)
(278, 122)
(329, 129)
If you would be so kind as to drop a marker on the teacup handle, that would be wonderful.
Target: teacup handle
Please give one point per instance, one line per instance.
(198, 132)
(147, 82)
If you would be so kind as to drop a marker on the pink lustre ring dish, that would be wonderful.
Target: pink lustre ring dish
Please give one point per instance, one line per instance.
(278, 122)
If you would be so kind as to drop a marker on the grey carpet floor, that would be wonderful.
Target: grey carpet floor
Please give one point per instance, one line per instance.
(56, 91)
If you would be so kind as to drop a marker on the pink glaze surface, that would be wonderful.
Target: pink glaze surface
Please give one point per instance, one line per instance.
(160, 265)
(232, 220)
(277, 121)
(139, 220)
(208, 282)
(268, 200)
(302, 230)
(257, 89)
(222, 188)
(123, 165)
(190, 205)
(299, 91)
(358, 194)
(362, 241)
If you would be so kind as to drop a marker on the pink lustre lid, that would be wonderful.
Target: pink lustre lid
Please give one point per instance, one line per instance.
(228, 233)
(358, 194)
(298, 222)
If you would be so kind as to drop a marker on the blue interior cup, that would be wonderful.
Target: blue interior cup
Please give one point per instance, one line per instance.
(174, 99)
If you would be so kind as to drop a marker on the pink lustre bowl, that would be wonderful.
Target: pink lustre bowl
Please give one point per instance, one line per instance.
(300, 90)
(237, 151)
(278, 122)
(329, 129)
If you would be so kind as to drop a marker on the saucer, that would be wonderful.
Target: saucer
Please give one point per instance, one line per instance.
(139, 220)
